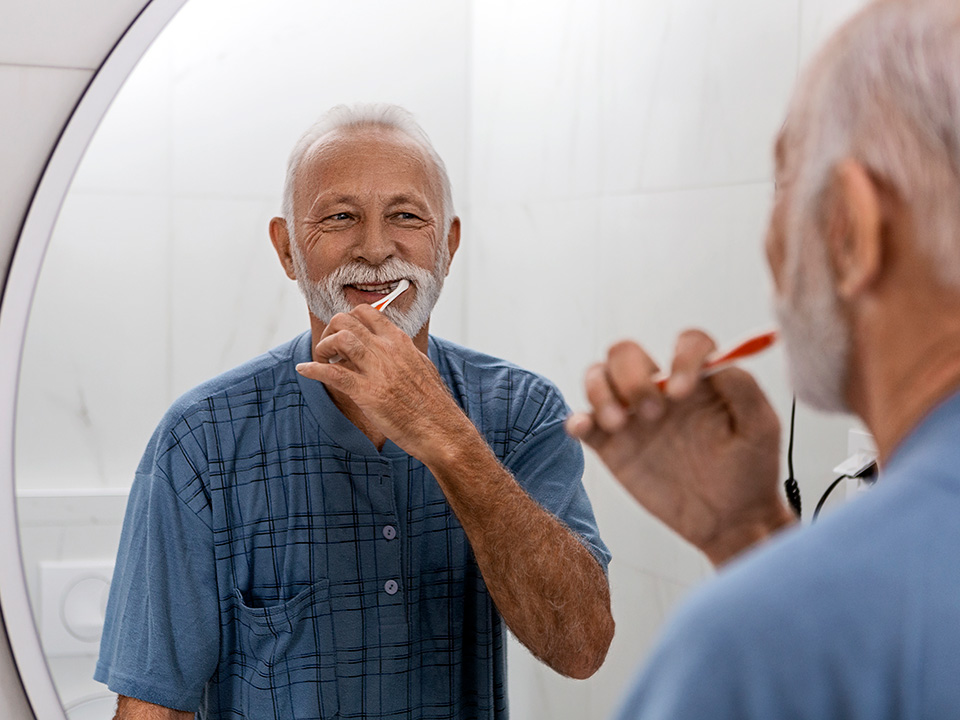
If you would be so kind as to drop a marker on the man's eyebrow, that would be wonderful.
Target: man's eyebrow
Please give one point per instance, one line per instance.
(335, 199)
(325, 200)
(405, 198)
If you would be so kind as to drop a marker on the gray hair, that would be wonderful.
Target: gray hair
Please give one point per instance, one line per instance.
(885, 91)
(357, 117)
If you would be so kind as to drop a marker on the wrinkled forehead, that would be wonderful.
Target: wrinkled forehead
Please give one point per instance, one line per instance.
(355, 159)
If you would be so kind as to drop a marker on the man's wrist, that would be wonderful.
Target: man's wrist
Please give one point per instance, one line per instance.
(452, 444)
(744, 535)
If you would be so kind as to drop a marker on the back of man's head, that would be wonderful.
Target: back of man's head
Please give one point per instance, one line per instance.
(885, 91)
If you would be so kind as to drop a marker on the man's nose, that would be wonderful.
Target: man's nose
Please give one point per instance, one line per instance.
(374, 243)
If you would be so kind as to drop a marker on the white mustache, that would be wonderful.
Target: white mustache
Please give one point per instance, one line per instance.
(356, 273)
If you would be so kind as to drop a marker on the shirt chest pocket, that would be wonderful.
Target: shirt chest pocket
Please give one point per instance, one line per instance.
(283, 657)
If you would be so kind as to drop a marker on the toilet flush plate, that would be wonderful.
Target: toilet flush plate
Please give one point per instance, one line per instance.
(73, 601)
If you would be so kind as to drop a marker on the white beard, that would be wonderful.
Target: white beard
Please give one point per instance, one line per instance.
(326, 298)
(816, 335)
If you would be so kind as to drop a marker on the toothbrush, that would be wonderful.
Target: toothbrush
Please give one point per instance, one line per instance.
(381, 305)
(383, 302)
(750, 346)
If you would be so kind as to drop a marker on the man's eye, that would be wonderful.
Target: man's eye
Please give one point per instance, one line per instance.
(339, 216)
(408, 216)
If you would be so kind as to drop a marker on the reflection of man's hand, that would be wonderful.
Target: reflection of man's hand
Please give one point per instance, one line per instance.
(702, 456)
(394, 384)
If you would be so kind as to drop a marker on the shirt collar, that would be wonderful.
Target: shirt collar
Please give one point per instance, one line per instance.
(332, 423)
(940, 426)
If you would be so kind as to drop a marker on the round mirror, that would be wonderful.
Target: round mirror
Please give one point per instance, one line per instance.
(611, 166)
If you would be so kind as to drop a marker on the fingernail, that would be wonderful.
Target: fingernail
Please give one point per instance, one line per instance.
(300, 367)
(650, 409)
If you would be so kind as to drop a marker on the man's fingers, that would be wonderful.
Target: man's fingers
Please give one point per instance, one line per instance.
(344, 344)
(693, 349)
(374, 320)
(748, 404)
(579, 425)
(631, 375)
(335, 376)
(608, 411)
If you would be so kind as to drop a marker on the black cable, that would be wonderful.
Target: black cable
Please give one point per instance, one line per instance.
(790, 485)
(867, 475)
(823, 498)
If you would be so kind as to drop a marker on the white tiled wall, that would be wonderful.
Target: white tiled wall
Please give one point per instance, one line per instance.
(610, 161)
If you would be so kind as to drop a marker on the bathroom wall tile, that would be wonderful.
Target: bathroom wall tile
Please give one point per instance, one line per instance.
(535, 130)
(93, 533)
(641, 603)
(536, 691)
(78, 691)
(693, 91)
(819, 19)
(449, 316)
(63, 34)
(673, 260)
(95, 376)
(131, 151)
(230, 298)
(532, 292)
(245, 94)
(75, 507)
(36, 103)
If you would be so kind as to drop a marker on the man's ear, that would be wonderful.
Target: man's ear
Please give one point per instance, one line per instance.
(854, 228)
(281, 243)
(453, 240)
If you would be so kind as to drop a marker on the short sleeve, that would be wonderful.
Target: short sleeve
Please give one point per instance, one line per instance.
(161, 634)
(548, 464)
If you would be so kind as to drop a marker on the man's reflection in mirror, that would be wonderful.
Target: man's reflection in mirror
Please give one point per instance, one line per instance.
(317, 539)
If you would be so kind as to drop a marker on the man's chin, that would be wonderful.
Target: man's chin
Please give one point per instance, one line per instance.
(822, 388)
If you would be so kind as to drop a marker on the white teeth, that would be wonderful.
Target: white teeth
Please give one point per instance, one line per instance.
(382, 287)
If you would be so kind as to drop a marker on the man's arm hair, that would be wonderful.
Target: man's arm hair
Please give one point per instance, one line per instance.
(129, 708)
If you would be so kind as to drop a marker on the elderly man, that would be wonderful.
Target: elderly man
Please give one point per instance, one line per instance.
(859, 615)
(336, 528)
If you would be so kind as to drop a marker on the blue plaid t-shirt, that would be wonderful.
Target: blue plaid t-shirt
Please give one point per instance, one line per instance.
(274, 564)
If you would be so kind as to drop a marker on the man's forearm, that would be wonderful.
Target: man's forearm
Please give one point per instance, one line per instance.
(550, 590)
(132, 709)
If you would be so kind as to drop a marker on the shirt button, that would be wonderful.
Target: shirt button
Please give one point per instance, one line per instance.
(389, 532)
(391, 587)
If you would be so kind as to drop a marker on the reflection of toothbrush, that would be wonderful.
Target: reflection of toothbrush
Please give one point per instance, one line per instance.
(381, 305)
(750, 346)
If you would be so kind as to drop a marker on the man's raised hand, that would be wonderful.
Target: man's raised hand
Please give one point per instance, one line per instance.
(393, 384)
(701, 455)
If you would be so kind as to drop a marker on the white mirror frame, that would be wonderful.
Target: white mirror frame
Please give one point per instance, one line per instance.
(14, 313)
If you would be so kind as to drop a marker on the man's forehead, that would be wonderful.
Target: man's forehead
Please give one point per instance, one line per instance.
(785, 145)
(372, 142)
(345, 152)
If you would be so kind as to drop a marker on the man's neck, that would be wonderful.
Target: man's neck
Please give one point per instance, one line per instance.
(908, 365)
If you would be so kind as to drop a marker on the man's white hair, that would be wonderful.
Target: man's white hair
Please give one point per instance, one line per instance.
(358, 117)
(885, 91)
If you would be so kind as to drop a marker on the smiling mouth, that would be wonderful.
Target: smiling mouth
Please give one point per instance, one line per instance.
(383, 288)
